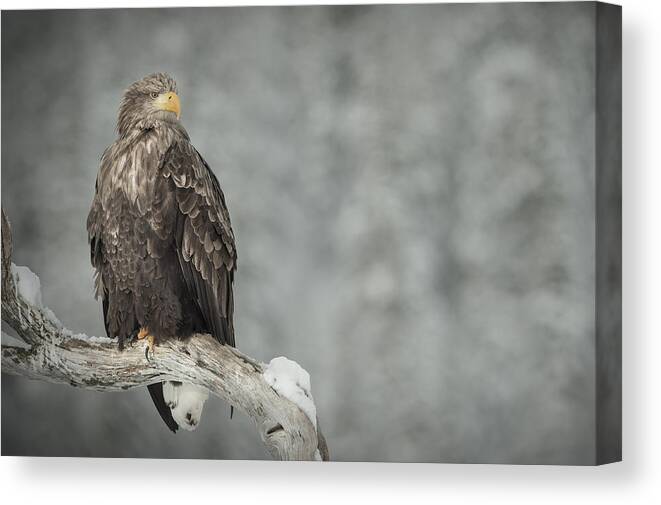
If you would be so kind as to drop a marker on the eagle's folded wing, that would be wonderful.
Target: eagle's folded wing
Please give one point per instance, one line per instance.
(203, 236)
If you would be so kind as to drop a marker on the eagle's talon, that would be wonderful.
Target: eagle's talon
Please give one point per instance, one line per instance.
(144, 334)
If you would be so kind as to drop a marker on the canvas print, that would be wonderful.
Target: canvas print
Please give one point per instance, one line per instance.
(385, 233)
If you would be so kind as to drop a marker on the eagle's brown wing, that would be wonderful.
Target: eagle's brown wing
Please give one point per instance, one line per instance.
(96, 256)
(204, 239)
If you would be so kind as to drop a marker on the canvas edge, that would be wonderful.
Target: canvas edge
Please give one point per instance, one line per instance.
(608, 289)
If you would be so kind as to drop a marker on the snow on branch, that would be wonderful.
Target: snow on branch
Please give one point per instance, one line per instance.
(276, 396)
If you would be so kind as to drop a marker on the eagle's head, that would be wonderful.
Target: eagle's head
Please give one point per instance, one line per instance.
(152, 98)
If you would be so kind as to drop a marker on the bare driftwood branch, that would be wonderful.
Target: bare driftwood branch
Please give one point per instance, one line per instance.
(55, 355)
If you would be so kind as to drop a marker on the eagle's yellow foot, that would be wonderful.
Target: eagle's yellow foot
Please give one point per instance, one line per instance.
(144, 334)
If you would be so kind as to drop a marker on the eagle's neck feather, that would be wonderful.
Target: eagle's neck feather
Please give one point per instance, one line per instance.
(135, 158)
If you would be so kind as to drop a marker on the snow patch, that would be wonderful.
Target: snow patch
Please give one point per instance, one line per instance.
(50, 315)
(87, 338)
(186, 402)
(97, 340)
(290, 380)
(27, 285)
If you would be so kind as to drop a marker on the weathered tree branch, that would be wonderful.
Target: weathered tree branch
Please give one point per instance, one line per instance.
(56, 355)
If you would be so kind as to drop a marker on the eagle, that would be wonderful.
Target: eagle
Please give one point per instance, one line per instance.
(161, 240)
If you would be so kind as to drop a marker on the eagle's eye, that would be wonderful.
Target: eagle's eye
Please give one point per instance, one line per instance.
(153, 95)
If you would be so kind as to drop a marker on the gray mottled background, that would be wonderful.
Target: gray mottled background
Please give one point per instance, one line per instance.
(412, 191)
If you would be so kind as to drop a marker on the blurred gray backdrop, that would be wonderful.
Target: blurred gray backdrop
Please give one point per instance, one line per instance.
(412, 191)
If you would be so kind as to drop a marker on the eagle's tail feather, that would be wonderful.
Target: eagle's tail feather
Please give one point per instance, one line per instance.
(156, 393)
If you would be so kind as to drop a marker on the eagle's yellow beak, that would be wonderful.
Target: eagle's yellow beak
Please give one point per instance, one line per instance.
(170, 102)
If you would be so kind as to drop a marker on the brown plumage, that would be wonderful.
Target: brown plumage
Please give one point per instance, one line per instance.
(161, 240)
